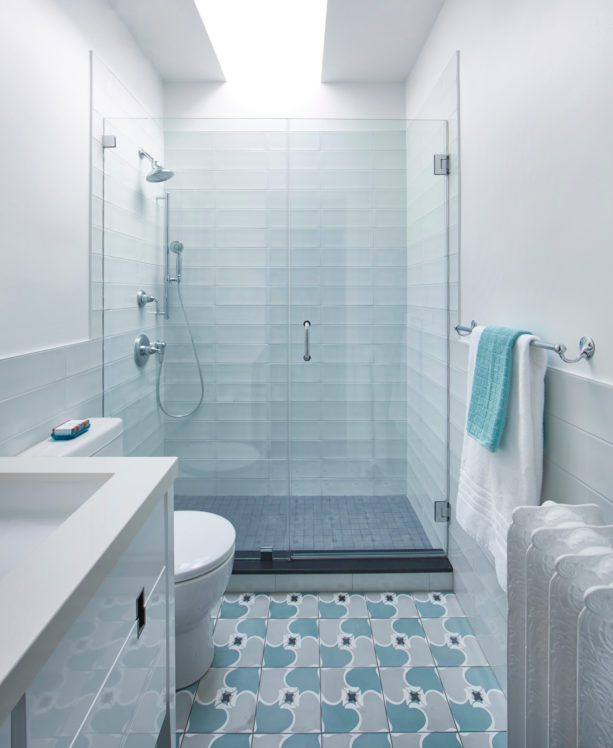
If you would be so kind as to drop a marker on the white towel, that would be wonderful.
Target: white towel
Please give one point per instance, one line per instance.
(492, 484)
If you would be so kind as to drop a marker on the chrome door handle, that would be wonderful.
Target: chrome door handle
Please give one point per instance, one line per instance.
(307, 325)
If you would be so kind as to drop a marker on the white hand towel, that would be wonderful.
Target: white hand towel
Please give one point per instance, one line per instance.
(492, 484)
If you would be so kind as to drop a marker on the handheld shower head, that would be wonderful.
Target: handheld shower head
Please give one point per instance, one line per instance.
(177, 247)
(158, 173)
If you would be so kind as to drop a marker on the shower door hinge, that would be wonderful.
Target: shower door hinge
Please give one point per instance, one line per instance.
(109, 141)
(442, 511)
(441, 164)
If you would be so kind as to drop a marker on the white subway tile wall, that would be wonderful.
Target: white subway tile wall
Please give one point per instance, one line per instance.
(281, 226)
(127, 224)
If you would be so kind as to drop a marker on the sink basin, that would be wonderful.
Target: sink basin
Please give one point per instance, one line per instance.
(31, 507)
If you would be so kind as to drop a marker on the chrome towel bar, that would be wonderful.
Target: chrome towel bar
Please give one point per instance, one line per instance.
(587, 346)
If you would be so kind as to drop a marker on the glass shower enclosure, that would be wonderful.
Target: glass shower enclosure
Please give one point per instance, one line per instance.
(315, 281)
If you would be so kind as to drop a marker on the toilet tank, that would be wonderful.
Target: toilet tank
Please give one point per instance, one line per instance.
(103, 439)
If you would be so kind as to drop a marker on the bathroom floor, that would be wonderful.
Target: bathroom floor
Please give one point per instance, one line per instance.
(393, 670)
(331, 523)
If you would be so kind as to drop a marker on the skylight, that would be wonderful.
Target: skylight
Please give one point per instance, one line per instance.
(274, 40)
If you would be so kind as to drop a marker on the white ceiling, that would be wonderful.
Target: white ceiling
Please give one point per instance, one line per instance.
(375, 40)
(365, 40)
(171, 34)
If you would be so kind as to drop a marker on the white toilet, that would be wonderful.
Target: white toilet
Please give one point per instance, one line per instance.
(204, 553)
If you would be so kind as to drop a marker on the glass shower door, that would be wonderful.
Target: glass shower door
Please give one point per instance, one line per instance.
(363, 291)
(227, 204)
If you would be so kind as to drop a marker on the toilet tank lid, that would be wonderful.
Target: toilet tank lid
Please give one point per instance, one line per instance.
(203, 541)
(102, 431)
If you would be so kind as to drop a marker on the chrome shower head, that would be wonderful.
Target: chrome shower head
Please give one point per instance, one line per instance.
(158, 173)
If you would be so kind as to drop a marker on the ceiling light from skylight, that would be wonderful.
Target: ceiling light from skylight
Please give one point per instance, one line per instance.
(267, 40)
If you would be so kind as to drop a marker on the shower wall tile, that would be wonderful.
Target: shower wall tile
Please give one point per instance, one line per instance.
(346, 233)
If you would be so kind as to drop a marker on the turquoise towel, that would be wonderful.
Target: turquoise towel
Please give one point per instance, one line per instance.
(487, 413)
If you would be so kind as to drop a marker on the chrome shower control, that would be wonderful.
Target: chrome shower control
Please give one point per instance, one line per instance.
(143, 349)
(143, 298)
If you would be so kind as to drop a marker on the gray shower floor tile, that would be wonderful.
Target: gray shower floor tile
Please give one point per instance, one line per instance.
(330, 523)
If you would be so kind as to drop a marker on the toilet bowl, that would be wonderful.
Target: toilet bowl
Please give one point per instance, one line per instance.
(204, 553)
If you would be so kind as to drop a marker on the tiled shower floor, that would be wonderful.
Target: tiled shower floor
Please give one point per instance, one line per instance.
(374, 670)
(329, 523)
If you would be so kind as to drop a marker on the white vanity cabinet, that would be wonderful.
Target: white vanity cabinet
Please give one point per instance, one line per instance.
(111, 676)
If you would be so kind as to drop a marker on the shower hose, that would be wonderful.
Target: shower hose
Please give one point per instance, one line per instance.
(159, 379)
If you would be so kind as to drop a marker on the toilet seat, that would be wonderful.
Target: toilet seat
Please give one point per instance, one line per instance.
(203, 542)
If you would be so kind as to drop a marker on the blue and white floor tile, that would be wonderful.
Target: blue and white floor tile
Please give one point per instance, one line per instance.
(239, 643)
(296, 740)
(359, 740)
(484, 739)
(342, 605)
(343, 670)
(415, 700)
(294, 605)
(346, 642)
(225, 701)
(476, 700)
(391, 605)
(453, 642)
(401, 642)
(244, 605)
(292, 643)
(228, 740)
(426, 740)
(352, 700)
(437, 605)
(288, 701)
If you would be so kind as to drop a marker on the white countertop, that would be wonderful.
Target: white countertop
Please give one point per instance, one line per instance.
(45, 592)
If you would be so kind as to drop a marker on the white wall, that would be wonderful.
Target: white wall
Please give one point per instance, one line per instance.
(44, 192)
(536, 111)
(45, 206)
(350, 100)
(536, 224)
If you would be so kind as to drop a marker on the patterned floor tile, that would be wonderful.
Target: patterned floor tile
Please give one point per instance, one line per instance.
(229, 740)
(294, 605)
(390, 605)
(342, 605)
(484, 739)
(426, 740)
(244, 605)
(292, 643)
(359, 740)
(453, 642)
(286, 741)
(437, 605)
(239, 643)
(346, 642)
(415, 700)
(184, 701)
(352, 701)
(225, 701)
(475, 698)
(401, 642)
(288, 701)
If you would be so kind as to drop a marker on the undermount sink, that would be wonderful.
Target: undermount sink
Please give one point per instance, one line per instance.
(31, 507)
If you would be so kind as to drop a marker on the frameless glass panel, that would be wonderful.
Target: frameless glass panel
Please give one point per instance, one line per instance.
(227, 205)
(132, 258)
(356, 482)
